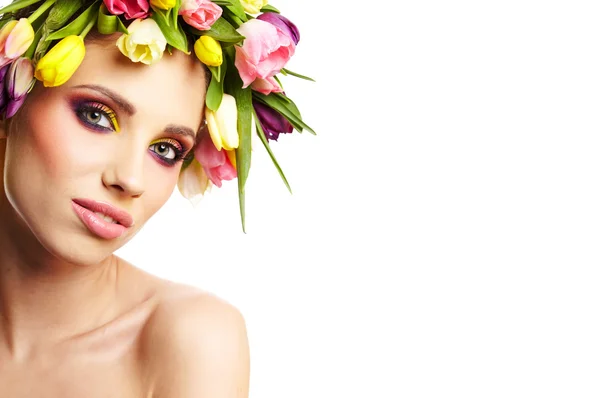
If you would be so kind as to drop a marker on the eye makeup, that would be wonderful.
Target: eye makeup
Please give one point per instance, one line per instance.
(96, 115)
(100, 117)
(176, 151)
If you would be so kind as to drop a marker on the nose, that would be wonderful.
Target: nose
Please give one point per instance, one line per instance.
(124, 171)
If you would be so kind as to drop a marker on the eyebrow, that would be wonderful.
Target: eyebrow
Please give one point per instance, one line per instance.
(181, 130)
(129, 108)
(120, 101)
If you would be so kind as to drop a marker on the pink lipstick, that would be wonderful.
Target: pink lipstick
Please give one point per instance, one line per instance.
(109, 224)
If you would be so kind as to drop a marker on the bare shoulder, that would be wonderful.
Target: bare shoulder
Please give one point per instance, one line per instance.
(195, 345)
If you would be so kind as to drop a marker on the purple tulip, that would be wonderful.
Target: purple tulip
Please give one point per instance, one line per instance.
(271, 121)
(3, 94)
(282, 23)
(17, 84)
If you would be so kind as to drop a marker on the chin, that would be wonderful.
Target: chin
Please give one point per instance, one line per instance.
(85, 249)
(72, 244)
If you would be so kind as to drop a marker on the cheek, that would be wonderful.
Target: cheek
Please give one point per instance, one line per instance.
(52, 140)
(160, 184)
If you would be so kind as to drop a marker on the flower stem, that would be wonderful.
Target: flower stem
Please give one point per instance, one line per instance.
(36, 39)
(88, 27)
(47, 4)
(17, 5)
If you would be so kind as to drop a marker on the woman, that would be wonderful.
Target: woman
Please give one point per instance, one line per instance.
(86, 162)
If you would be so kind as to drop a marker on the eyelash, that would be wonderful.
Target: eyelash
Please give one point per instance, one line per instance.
(181, 152)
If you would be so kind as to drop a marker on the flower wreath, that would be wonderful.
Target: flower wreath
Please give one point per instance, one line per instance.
(244, 43)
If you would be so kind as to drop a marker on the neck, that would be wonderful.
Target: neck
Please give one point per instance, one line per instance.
(43, 299)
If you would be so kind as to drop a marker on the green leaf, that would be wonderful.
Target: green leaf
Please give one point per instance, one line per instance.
(222, 3)
(41, 10)
(162, 14)
(237, 8)
(215, 71)
(36, 39)
(175, 35)
(121, 27)
(243, 153)
(214, 94)
(107, 22)
(175, 12)
(263, 139)
(78, 25)
(17, 5)
(62, 11)
(289, 72)
(287, 109)
(269, 8)
(222, 31)
(230, 17)
(290, 104)
(243, 98)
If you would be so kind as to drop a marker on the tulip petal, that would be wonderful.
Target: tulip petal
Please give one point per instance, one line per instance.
(193, 182)
(13, 106)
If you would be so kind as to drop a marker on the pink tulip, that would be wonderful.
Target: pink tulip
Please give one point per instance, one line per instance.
(266, 50)
(282, 23)
(200, 14)
(266, 86)
(15, 39)
(216, 164)
(131, 8)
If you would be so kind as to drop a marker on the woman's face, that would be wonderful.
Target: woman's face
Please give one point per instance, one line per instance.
(115, 133)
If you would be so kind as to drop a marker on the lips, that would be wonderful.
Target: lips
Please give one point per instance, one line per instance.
(119, 220)
(120, 216)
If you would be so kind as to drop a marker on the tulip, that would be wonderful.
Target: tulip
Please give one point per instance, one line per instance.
(3, 94)
(59, 64)
(200, 14)
(282, 23)
(222, 124)
(15, 39)
(266, 86)
(271, 121)
(163, 4)
(265, 51)
(193, 182)
(145, 42)
(18, 83)
(216, 164)
(209, 51)
(253, 6)
(131, 8)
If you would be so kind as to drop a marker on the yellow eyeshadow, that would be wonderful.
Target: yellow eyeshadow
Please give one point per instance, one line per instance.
(171, 141)
(108, 112)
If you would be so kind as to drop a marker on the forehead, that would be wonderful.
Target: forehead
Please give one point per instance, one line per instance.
(171, 90)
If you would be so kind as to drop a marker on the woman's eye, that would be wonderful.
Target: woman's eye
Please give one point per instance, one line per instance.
(97, 115)
(97, 118)
(164, 150)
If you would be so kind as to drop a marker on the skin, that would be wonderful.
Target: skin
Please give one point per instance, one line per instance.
(76, 320)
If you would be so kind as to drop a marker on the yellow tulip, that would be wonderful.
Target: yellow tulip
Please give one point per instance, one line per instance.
(222, 124)
(253, 6)
(163, 4)
(209, 51)
(59, 64)
(145, 42)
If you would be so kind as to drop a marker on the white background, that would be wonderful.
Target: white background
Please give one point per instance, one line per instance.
(442, 236)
